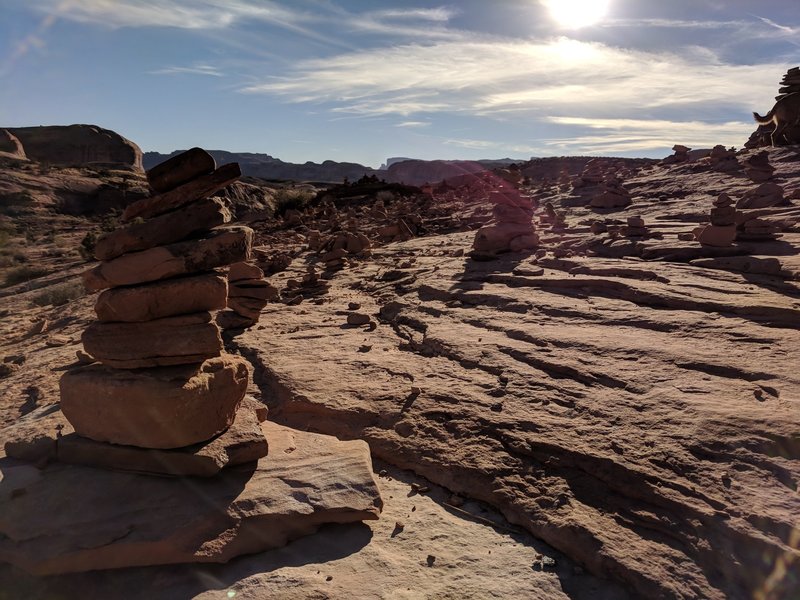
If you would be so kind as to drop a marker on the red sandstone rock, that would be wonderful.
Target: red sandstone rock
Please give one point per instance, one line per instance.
(178, 340)
(221, 246)
(165, 298)
(168, 407)
(196, 189)
(180, 169)
(163, 229)
(99, 519)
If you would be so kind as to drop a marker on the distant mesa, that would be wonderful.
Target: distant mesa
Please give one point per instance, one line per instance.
(395, 170)
(71, 145)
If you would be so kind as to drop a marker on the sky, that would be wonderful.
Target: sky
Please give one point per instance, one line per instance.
(361, 81)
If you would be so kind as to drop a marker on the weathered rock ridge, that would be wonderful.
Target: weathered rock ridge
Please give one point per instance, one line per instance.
(77, 145)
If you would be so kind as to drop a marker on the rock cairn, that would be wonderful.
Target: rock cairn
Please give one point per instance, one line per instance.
(757, 167)
(721, 232)
(722, 159)
(612, 194)
(681, 155)
(552, 218)
(635, 227)
(511, 228)
(248, 293)
(163, 381)
(592, 175)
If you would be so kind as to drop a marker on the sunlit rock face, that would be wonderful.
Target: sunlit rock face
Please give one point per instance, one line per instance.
(77, 145)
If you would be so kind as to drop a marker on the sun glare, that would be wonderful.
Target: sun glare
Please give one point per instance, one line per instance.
(574, 14)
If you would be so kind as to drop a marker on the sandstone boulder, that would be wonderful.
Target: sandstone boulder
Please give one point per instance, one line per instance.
(178, 340)
(166, 298)
(99, 519)
(241, 443)
(764, 196)
(497, 237)
(75, 145)
(221, 246)
(196, 189)
(167, 407)
(163, 229)
(180, 169)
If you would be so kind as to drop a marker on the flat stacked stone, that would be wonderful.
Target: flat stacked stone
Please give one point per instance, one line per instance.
(163, 381)
(721, 232)
(790, 84)
(757, 167)
(511, 228)
(635, 227)
(248, 293)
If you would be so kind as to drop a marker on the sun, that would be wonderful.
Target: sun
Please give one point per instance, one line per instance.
(574, 14)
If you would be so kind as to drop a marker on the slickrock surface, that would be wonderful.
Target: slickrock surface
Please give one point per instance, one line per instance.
(375, 559)
(631, 401)
(306, 479)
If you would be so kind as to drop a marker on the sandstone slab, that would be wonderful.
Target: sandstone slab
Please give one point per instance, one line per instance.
(178, 340)
(497, 237)
(163, 229)
(168, 407)
(222, 246)
(241, 443)
(200, 187)
(169, 297)
(180, 169)
(116, 519)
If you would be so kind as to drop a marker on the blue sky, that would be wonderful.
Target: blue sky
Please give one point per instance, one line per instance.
(362, 81)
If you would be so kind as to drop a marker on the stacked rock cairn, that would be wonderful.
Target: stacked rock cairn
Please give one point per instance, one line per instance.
(721, 232)
(757, 167)
(164, 381)
(511, 228)
(681, 155)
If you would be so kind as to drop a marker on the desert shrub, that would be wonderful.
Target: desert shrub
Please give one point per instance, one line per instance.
(23, 273)
(60, 294)
(88, 243)
(287, 198)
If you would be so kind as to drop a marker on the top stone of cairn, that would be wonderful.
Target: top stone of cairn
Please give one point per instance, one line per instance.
(180, 169)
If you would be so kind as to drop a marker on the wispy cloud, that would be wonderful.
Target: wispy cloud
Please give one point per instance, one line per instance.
(193, 70)
(493, 77)
(626, 135)
(413, 124)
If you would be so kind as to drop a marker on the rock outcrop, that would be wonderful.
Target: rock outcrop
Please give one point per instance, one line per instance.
(10, 146)
(77, 145)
